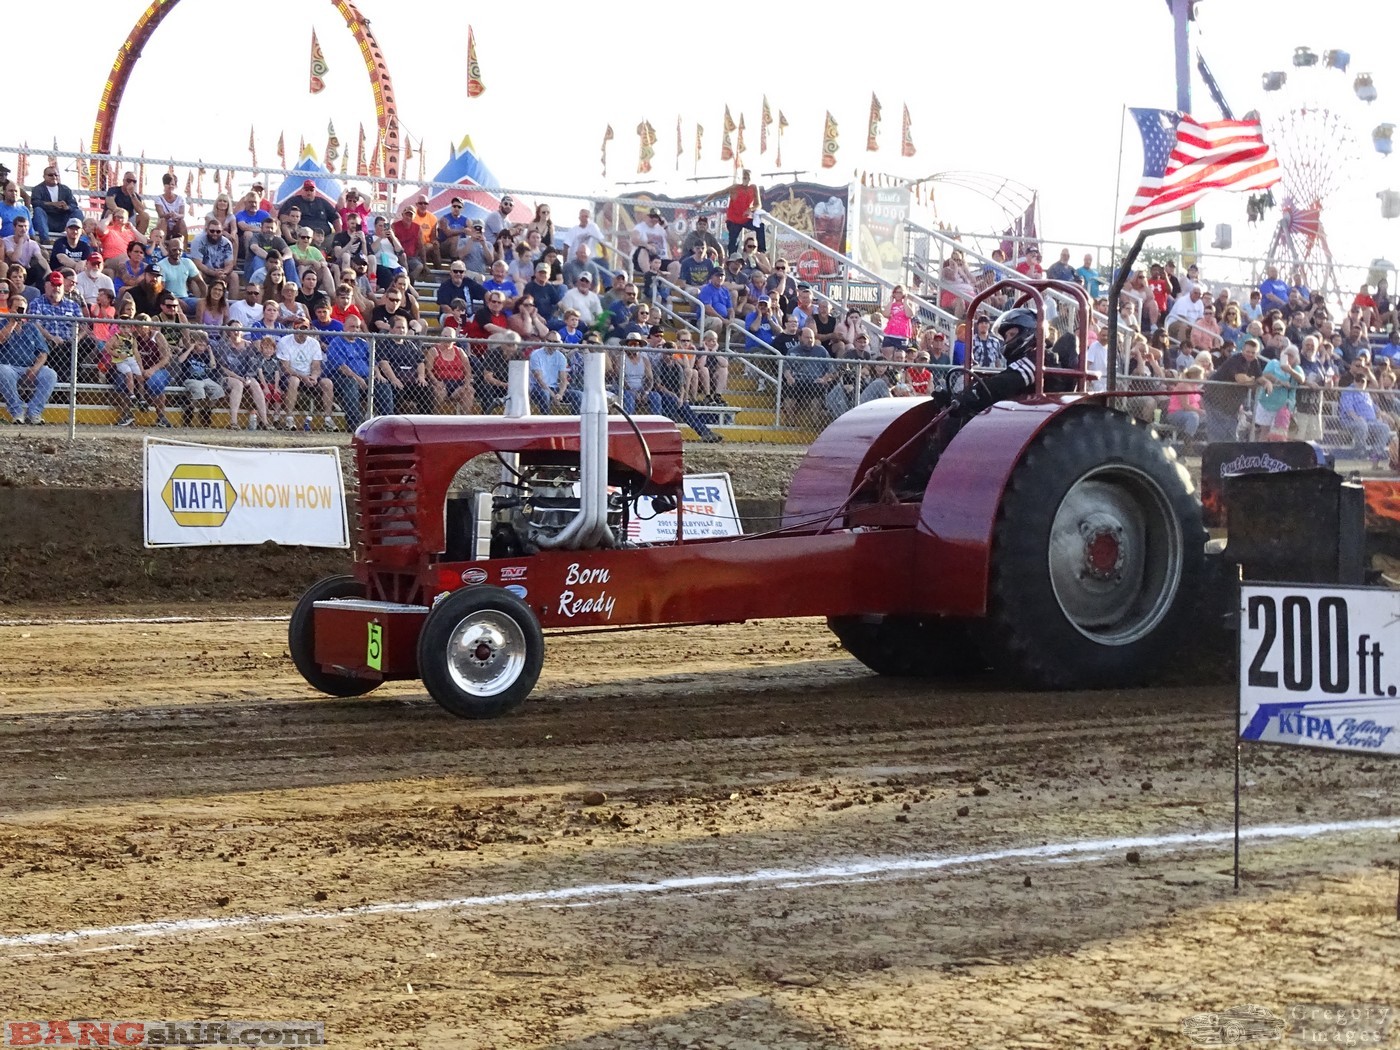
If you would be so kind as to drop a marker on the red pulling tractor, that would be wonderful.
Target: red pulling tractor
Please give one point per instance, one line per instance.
(1054, 536)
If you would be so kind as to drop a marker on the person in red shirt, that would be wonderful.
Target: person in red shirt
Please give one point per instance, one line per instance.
(1030, 265)
(410, 235)
(344, 306)
(744, 200)
(1161, 288)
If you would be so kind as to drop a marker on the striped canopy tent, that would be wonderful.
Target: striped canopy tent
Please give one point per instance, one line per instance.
(308, 167)
(478, 188)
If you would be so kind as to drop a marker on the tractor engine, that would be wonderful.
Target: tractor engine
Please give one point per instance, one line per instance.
(545, 503)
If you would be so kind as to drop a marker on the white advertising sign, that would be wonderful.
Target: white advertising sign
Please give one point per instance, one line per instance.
(1320, 667)
(710, 513)
(200, 495)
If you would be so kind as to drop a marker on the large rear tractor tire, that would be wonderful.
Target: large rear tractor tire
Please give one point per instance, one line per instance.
(480, 652)
(908, 646)
(1098, 556)
(301, 638)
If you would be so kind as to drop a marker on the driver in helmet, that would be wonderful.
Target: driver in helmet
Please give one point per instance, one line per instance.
(1017, 330)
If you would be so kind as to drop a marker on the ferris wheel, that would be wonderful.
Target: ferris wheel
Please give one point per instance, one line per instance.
(1311, 122)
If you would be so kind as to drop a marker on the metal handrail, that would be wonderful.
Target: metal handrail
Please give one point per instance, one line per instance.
(849, 264)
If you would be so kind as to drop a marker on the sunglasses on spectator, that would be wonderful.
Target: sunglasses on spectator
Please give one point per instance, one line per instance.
(459, 273)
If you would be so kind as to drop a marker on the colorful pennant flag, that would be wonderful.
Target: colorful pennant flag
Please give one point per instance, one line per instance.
(782, 126)
(199, 182)
(301, 149)
(699, 139)
(22, 165)
(332, 146)
(607, 137)
(680, 143)
(252, 148)
(739, 146)
(361, 163)
(873, 131)
(726, 148)
(906, 143)
(282, 148)
(729, 124)
(319, 69)
(345, 163)
(829, 142)
(474, 84)
(763, 121)
(422, 161)
(647, 135)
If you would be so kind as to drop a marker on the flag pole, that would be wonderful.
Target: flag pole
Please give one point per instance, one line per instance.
(1117, 191)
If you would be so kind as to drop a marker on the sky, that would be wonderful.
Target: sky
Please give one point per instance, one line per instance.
(1035, 92)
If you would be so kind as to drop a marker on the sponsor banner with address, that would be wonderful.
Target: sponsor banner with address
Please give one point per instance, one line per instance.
(1320, 667)
(201, 495)
(710, 513)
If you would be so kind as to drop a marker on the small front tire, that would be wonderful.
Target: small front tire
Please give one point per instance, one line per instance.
(301, 638)
(480, 652)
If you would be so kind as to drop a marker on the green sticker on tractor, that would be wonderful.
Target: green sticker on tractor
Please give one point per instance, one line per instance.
(374, 651)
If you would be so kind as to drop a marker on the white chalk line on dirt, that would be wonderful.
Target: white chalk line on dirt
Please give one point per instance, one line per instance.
(848, 870)
(109, 620)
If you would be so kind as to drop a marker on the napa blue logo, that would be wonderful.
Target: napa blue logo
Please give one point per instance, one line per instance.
(199, 495)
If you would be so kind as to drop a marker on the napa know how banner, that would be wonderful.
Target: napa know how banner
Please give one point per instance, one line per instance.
(203, 495)
(1320, 667)
(710, 513)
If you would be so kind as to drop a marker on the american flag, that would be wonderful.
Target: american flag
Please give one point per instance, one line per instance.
(1184, 159)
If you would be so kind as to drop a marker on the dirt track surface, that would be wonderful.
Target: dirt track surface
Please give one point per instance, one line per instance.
(181, 771)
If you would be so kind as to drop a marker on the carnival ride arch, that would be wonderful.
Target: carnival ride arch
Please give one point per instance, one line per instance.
(385, 107)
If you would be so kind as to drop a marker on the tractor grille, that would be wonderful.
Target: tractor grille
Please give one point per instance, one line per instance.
(389, 501)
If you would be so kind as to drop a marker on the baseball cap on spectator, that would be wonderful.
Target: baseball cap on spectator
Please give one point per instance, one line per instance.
(73, 224)
(634, 339)
(308, 185)
(478, 226)
(584, 277)
(256, 186)
(455, 200)
(939, 337)
(656, 329)
(655, 213)
(542, 267)
(55, 277)
(507, 199)
(736, 257)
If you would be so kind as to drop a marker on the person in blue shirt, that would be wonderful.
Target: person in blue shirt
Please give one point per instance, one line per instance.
(719, 304)
(761, 324)
(499, 282)
(1089, 276)
(23, 365)
(12, 208)
(347, 363)
(696, 268)
(1273, 292)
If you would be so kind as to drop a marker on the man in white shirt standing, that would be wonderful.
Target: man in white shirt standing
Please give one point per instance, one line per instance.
(301, 359)
(586, 231)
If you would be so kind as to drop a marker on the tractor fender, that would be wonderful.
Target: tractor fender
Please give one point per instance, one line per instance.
(954, 538)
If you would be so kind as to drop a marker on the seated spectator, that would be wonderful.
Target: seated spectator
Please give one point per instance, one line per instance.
(12, 207)
(580, 264)
(309, 258)
(248, 222)
(572, 333)
(91, 281)
(582, 298)
(808, 376)
(316, 211)
(1273, 291)
(427, 223)
(526, 321)
(302, 360)
(403, 367)
(635, 383)
(116, 234)
(549, 381)
(248, 310)
(54, 204)
(452, 236)
(717, 305)
(381, 319)
(493, 318)
(449, 373)
(387, 254)
(351, 244)
(237, 359)
(180, 275)
(1358, 416)
(290, 308)
(670, 393)
(352, 204)
(345, 306)
(696, 269)
(322, 321)
(459, 286)
(266, 249)
(522, 265)
(23, 250)
(347, 361)
(781, 289)
(491, 370)
(56, 317)
(198, 371)
(547, 295)
(1184, 315)
(410, 237)
(71, 248)
(23, 366)
(154, 353)
(500, 281)
(456, 316)
(956, 285)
